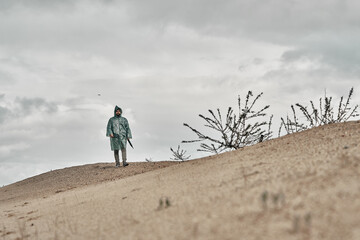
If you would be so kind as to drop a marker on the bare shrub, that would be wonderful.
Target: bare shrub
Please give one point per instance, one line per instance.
(324, 114)
(236, 131)
(179, 154)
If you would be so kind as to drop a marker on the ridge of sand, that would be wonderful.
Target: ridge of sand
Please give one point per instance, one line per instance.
(300, 186)
(62, 180)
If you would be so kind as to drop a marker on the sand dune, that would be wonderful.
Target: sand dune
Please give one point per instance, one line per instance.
(63, 180)
(300, 186)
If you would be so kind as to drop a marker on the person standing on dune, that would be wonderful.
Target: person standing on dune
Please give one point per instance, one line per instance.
(119, 132)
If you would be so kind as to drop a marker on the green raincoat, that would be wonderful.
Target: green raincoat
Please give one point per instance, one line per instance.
(119, 127)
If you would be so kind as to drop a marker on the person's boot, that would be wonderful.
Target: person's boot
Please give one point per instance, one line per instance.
(117, 161)
(123, 156)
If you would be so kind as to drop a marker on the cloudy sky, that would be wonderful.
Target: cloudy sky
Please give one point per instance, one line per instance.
(65, 64)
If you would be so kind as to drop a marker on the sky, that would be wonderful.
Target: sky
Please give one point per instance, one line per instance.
(65, 64)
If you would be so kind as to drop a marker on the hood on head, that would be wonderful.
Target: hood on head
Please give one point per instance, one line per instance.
(116, 108)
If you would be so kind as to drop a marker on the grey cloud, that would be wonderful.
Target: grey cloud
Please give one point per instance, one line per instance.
(138, 33)
(18, 131)
(28, 105)
(6, 5)
(343, 56)
(329, 33)
(14, 111)
(4, 113)
(339, 54)
(303, 85)
(36, 130)
(6, 78)
(254, 17)
(54, 25)
(292, 55)
(258, 61)
(278, 20)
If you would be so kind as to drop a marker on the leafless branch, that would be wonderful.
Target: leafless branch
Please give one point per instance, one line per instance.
(236, 131)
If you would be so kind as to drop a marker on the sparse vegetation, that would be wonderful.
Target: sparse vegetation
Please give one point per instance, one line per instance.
(235, 131)
(246, 128)
(324, 114)
(278, 200)
(164, 203)
(179, 154)
(301, 224)
(307, 219)
(264, 197)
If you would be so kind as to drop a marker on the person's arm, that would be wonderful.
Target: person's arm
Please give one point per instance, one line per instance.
(109, 132)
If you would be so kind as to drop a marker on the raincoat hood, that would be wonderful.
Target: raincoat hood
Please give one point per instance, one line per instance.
(116, 108)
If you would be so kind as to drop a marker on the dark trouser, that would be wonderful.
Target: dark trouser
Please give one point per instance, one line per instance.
(123, 155)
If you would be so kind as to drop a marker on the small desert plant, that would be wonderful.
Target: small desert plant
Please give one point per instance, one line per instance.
(278, 200)
(236, 131)
(307, 219)
(264, 198)
(179, 154)
(324, 114)
(301, 224)
(164, 203)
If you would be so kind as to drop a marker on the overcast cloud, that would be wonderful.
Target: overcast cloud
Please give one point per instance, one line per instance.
(64, 65)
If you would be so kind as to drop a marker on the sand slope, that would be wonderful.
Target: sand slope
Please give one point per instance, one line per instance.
(300, 186)
(62, 180)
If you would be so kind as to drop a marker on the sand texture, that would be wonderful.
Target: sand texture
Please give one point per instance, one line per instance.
(300, 186)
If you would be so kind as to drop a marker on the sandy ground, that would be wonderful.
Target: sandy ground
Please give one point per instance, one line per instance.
(300, 186)
(62, 180)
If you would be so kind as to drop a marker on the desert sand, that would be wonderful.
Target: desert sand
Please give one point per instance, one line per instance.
(300, 186)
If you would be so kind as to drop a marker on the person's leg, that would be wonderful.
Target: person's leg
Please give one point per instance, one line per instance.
(116, 155)
(123, 155)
